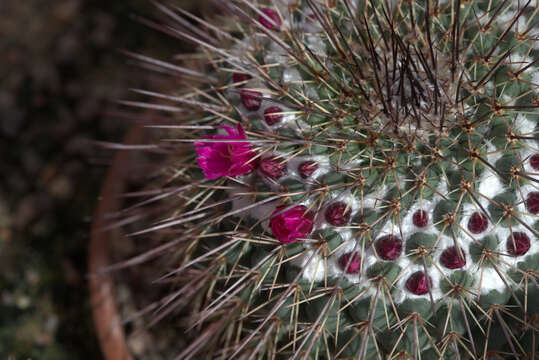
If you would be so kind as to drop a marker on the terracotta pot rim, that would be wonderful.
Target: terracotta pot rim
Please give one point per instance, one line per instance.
(105, 312)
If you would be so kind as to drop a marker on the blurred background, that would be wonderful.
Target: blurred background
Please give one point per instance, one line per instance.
(60, 74)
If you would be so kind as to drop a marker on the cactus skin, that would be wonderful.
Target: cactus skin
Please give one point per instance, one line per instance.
(401, 140)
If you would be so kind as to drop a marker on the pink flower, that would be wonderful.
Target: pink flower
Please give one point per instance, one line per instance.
(287, 226)
(225, 158)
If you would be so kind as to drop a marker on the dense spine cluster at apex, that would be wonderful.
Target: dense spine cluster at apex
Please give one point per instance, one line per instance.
(355, 179)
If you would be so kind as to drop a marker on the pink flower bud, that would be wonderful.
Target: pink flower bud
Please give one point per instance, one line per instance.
(307, 168)
(353, 260)
(534, 161)
(451, 259)
(292, 224)
(240, 79)
(518, 243)
(272, 116)
(338, 214)
(420, 218)
(275, 24)
(418, 283)
(389, 247)
(272, 168)
(251, 99)
(532, 202)
(477, 223)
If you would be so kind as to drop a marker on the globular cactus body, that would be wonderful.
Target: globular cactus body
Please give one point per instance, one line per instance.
(363, 182)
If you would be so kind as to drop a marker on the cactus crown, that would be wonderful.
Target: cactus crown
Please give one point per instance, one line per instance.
(359, 180)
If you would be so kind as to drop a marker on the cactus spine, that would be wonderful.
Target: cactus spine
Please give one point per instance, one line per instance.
(357, 179)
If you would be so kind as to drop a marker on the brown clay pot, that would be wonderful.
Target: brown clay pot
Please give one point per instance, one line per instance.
(105, 312)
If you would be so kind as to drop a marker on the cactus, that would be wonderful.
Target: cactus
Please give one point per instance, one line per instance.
(355, 179)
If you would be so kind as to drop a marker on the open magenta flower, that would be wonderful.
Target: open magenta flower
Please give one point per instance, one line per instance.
(292, 224)
(225, 158)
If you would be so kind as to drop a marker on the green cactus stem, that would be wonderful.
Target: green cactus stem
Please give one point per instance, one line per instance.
(359, 179)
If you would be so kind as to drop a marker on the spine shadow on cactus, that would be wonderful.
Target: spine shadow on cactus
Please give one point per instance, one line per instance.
(358, 180)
